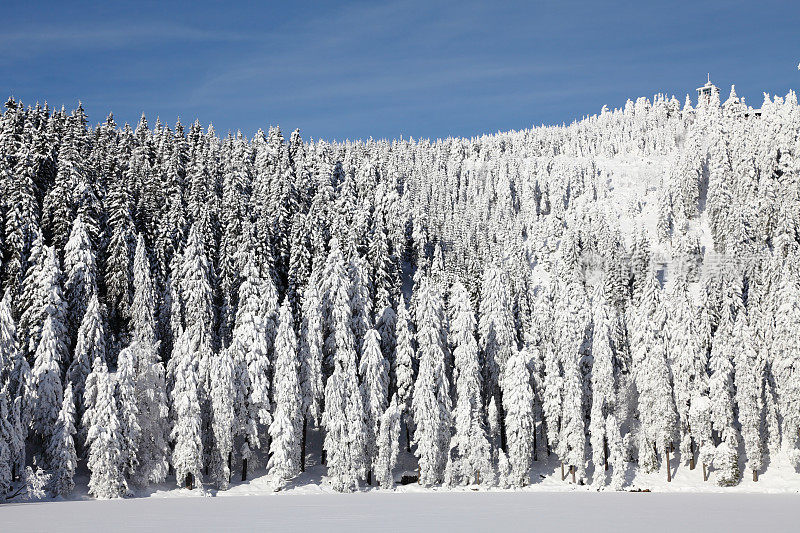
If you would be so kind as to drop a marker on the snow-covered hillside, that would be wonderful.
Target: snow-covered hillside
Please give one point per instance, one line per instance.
(612, 304)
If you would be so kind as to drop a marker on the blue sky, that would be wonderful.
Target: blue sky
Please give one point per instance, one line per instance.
(366, 69)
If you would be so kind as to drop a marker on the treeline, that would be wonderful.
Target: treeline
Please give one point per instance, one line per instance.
(188, 307)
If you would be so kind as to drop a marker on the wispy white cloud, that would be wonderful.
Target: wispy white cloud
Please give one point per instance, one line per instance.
(58, 38)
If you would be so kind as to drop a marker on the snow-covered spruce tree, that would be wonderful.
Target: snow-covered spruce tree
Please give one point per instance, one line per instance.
(193, 352)
(360, 301)
(470, 457)
(311, 342)
(151, 393)
(721, 394)
(11, 359)
(604, 387)
(7, 438)
(61, 448)
(496, 333)
(658, 417)
(374, 373)
(403, 366)
(48, 390)
(223, 420)
(518, 402)
(687, 360)
(187, 455)
(105, 444)
(285, 429)
(91, 344)
(431, 399)
(80, 271)
(747, 381)
(388, 445)
(250, 349)
(786, 355)
(128, 412)
(343, 419)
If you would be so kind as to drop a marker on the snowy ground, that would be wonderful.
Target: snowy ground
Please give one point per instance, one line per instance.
(443, 511)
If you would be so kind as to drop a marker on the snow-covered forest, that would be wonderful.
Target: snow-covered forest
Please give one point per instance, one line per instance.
(621, 293)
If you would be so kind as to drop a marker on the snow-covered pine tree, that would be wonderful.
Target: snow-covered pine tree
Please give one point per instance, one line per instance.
(151, 393)
(721, 394)
(388, 445)
(223, 420)
(80, 276)
(496, 332)
(470, 457)
(285, 429)
(105, 444)
(747, 381)
(786, 356)
(61, 448)
(374, 373)
(251, 348)
(187, 455)
(343, 418)
(194, 352)
(604, 386)
(518, 403)
(90, 345)
(656, 405)
(128, 412)
(48, 390)
(7, 438)
(431, 399)
(311, 342)
(403, 366)
(687, 359)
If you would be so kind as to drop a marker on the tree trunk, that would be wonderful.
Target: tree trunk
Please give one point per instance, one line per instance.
(563, 477)
(369, 477)
(189, 481)
(572, 469)
(705, 472)
(669, 470)
(419, 475)
(691, 451)
(303, 446)
(755, 475)
(230, 465)
(534, 443)
(244, 469)
(501, 412)
(477, 477)
(605, 453)
(323, 457)
(408, 438)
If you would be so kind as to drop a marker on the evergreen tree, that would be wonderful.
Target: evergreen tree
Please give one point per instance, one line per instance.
(310, 345)
(343, 418)
(470, 453)
(518, 401)
(388, 445)
(374, 373)
(128, 412)
(285, 429)
(105, 442)
(62, 446)
(431, 398)
(81, 275)
(91, 344)
(403, 365)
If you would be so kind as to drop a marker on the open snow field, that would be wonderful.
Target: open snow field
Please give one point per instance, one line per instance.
(443, 511)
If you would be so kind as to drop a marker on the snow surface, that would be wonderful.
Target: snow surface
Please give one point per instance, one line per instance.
(444, 511)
